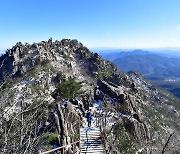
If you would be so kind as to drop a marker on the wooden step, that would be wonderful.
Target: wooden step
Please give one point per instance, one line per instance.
(90, 139)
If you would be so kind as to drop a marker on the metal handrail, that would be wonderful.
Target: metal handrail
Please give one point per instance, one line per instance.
(62, 147)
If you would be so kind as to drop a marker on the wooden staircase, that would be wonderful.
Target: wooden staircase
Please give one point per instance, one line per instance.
(90, 139)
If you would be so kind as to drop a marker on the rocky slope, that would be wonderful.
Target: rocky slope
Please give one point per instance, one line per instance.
(31, 119)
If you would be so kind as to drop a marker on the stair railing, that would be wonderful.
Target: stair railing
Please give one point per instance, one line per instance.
(63, 148)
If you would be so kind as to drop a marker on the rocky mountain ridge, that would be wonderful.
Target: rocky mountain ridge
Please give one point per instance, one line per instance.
(29, 75)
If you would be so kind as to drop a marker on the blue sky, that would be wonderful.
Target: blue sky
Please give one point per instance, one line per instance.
(96, 23)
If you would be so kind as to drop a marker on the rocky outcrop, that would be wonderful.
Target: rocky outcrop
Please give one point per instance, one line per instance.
(130, 106)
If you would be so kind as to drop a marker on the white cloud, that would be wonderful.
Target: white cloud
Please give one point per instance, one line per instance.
(178, 28)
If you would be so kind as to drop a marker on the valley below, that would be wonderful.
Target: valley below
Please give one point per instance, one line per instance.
(171, 85)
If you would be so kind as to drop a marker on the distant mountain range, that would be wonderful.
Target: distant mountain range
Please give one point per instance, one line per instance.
(149, 65)
(153, 66)
(112, 54)
(2, 52)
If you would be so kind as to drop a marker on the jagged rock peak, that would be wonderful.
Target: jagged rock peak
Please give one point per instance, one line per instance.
(21, 49)
(23, 57)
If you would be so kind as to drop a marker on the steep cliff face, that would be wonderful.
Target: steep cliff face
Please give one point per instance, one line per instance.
(32, 119)
(141, 114)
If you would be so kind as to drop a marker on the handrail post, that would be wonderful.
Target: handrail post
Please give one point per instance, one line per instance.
(79, 135)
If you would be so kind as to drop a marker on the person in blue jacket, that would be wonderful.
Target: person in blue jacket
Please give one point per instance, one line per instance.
(89, 118)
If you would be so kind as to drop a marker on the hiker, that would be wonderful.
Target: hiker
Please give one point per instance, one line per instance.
(98, 94)
(89, 118)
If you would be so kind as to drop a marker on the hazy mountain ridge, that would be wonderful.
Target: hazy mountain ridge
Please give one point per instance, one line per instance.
(29, 75)
(147, 64)
(114, 54)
